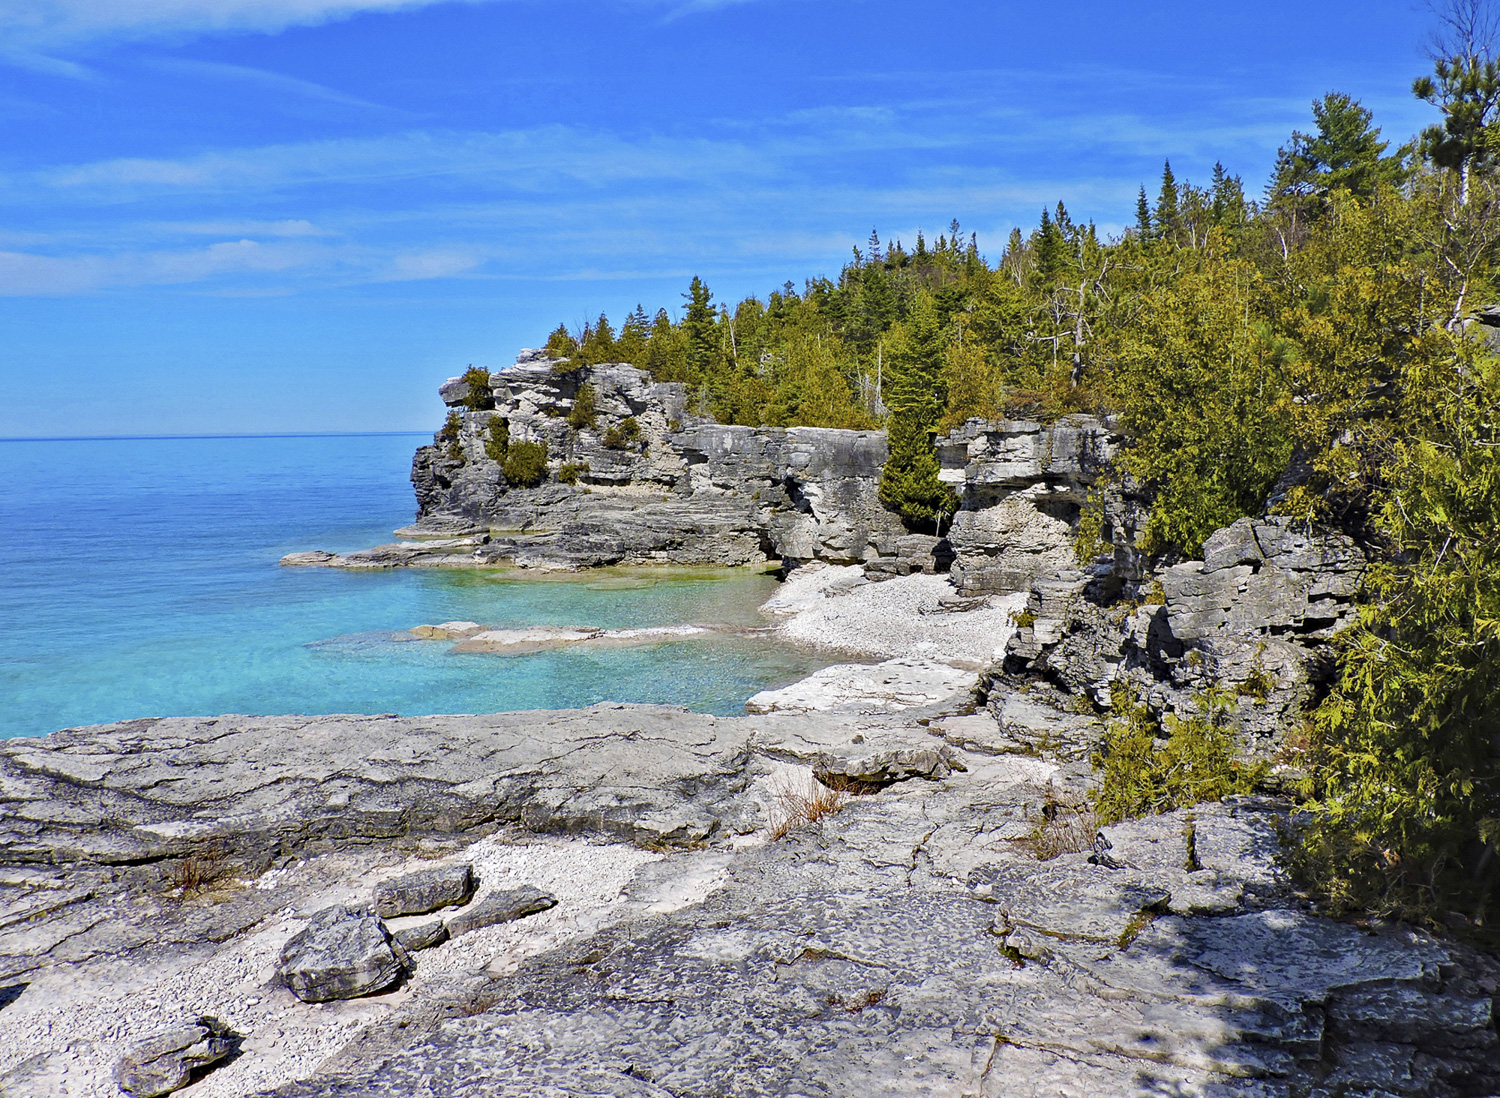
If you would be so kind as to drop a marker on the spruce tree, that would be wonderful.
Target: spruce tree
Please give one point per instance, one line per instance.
(1168, 216)
(700, 333)
(1142, 216)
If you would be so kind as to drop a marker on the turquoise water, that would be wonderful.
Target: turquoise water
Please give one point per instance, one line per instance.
(139, 577)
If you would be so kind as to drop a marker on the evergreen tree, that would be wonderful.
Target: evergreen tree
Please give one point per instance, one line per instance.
(1467, 91)
(1142, 216)
(1168, 218)
(909, 483)
(1346, 153)
(700, 332)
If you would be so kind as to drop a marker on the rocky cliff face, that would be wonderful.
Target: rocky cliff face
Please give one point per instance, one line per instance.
(1252, 618)
(655, 484)
(1022, 486)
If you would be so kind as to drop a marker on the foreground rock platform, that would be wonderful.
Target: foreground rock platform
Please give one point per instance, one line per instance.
(911, 942)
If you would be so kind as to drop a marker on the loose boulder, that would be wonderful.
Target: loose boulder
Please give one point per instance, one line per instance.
(425, 936)
(166, 1061)
(424, 891)
(342, 953)
(501, 907)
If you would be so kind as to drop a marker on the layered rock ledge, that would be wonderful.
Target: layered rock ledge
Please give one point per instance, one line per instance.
(909, 942)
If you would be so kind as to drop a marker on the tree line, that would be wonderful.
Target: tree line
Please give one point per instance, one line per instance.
(1314, 352)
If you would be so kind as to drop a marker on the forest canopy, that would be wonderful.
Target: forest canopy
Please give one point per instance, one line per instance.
(1318, 351)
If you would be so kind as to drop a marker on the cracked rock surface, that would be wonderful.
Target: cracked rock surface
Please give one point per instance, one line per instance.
(910, 943)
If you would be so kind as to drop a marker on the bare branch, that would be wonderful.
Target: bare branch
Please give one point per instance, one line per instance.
(1465, 28)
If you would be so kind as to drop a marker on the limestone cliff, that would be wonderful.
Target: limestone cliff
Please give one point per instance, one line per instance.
(654, 483)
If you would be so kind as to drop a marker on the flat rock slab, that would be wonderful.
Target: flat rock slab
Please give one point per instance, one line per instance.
(342, 953)
(500, 907)
(257, 789)
(425, 936)
(167, 1061)
(424, 891)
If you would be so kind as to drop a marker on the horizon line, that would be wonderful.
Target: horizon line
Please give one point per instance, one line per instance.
(247, 434)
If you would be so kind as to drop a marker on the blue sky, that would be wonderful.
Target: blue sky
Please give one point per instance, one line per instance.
(301, 215)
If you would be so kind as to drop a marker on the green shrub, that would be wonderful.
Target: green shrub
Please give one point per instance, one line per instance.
(623, 435)
(1406, 810)
(497, 444)
(450, 433)
(481, 397)
(1150, 769)
(570, 472)
(526, 464)
(584, 413)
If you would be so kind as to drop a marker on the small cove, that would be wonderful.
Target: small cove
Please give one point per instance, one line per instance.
(139, 577)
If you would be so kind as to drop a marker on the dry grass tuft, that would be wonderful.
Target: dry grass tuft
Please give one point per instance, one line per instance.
(799, 803)
(1067, 826)
(198, 871)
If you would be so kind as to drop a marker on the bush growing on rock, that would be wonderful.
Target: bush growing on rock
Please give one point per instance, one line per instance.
(1150, 767)
(526, 464)
(623, 435)
(570, 472)
(497, 440)
(451, 433)
(585, 412)
(481, 398)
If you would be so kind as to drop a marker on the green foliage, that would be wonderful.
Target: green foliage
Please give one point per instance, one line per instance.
(570, 472)
(1407, 812)
(497, 440)
(481, 397)
(1201, 391)
(526, 464)
(909, 483)
(1345, 154)
(560, 344)
(1466, 89)
(451, 433)
(1149, 768)
(623, 435)
(585, 411)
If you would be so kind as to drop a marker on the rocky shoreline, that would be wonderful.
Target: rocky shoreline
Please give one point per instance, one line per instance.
(923, 936)
(885, 879)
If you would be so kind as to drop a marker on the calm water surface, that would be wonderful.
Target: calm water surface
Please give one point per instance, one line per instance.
(139, 577)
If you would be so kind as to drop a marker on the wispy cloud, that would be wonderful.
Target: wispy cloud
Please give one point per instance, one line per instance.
(265, 80)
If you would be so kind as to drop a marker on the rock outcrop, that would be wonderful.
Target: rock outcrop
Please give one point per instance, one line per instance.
(637, 480)
(1252, 619)
(168, 1061)
(910, 942)
(342, 953)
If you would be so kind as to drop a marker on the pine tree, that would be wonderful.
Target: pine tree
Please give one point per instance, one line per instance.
(1168, 216)
(1467, 91)
(1346, 153)
(909, 484)
(1142, 216)
(700, 333)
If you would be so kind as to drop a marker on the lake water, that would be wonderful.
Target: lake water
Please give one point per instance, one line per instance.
(139, 577)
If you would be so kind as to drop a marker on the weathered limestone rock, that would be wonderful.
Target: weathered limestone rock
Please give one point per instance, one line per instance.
(504, 906)
(167, 1061)
(425, 936)
(424, 891)
(1022, 485)
(673, 488)
(342, 953)
(1253, 617)
(881, 768)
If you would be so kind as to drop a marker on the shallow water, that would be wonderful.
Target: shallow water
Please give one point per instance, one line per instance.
(139, 577)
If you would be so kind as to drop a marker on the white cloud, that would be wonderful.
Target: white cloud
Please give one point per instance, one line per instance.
(31, 29)
(45, 23)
